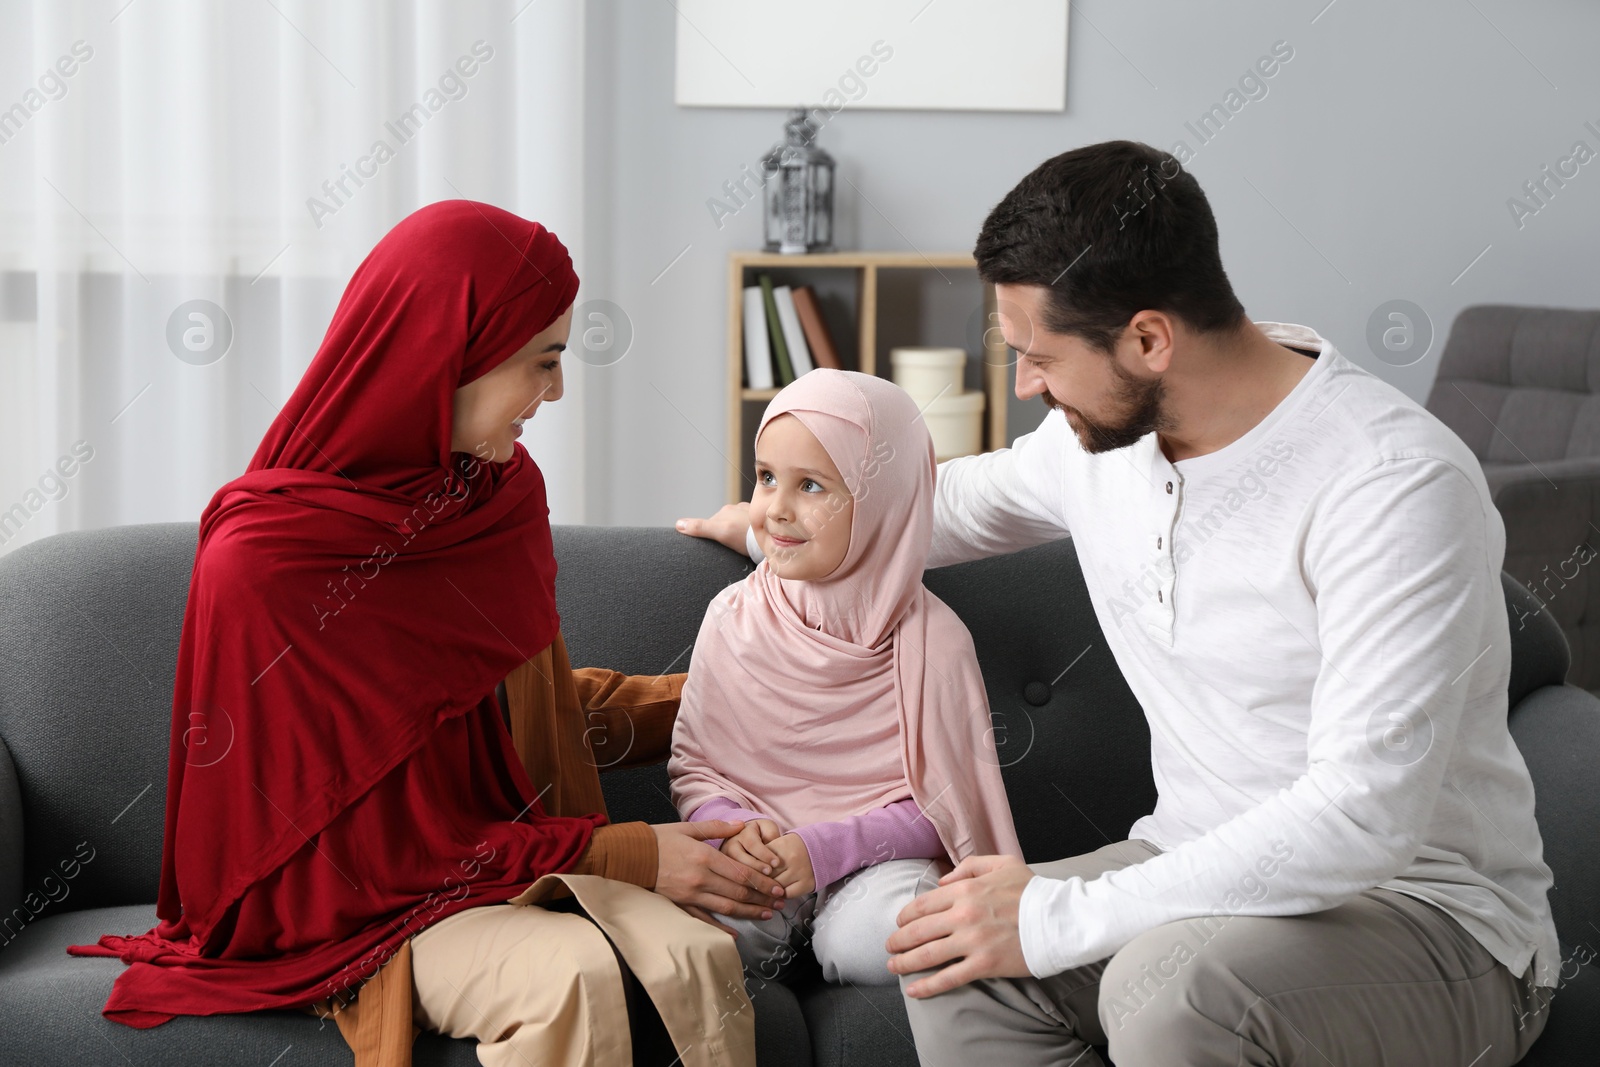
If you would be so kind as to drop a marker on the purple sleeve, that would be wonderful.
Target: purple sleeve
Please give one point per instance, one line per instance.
(895, 831)
(723, 808)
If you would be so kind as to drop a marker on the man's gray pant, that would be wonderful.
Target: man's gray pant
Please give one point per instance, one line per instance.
(1385, 979)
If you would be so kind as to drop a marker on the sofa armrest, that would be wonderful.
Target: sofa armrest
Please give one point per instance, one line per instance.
(10, 833)
(1551, 512)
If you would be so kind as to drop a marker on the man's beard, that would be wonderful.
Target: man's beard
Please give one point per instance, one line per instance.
(1140, 398)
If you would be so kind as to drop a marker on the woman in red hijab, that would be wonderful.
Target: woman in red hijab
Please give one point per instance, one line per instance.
(340, 776)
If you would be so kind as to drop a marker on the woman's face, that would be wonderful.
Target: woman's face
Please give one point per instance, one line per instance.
(490, 410)
(800, 509)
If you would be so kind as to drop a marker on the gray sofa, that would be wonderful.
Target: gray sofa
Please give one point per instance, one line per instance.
(1521, 386)
(89, 626)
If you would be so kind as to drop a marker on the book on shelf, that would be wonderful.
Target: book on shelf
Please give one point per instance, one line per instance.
(818, 339)
(757, 352)
(785, 334)
(793, 337)
(780, 349)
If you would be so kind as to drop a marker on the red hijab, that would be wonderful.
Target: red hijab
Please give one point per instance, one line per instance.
(339, 775)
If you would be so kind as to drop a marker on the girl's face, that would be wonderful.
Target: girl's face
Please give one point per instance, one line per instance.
(800, 510)
(490, 410)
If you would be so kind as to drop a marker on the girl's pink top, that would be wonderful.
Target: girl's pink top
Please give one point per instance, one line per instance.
(817, 701)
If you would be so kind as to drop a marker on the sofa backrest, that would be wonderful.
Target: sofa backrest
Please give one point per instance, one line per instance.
(89, 627)
(1072, 741)
(1530, 373)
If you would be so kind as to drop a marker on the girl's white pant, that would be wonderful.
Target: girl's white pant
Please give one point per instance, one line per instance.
(846, 932)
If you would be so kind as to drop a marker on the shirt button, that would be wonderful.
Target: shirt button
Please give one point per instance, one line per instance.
(1169, 487)
(1158, 542)
(1159, 597)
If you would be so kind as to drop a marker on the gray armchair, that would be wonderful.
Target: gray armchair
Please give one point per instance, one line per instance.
(1521, 386)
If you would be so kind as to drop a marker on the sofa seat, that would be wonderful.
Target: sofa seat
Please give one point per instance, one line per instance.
(61, 997)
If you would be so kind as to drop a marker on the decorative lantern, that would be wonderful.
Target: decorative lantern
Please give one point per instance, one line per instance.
(798, 190)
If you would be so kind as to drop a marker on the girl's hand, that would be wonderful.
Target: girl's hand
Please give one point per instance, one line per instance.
(796, 875)
(749, 846)
(727, 527)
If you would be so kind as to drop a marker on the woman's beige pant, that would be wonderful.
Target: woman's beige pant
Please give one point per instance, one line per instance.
(541, 988)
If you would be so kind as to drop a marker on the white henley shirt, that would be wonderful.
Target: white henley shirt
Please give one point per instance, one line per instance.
(1312, 620)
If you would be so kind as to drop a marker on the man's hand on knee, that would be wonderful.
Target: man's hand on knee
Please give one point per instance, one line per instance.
(971, 919)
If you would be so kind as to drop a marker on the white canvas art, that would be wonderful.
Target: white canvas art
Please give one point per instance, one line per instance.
(947, 55)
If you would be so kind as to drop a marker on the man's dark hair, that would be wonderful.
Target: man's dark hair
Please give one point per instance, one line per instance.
(1111, 229)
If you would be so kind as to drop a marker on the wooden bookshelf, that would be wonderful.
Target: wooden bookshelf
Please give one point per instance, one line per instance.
(745, 405)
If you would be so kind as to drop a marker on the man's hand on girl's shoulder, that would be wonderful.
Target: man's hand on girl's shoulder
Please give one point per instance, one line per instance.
(727, 527)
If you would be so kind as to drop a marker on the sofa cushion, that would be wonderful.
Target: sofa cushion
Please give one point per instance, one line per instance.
(11, 895)
(1572, 1033)
(854, 1024)
(638, 621)
(1539, 652)
(89, 626)
(1557, 730)
(1072, 740)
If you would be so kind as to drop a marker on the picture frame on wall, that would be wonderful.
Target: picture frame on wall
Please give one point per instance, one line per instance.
(953, 55)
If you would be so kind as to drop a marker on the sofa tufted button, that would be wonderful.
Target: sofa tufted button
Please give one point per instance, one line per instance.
(1036, 693)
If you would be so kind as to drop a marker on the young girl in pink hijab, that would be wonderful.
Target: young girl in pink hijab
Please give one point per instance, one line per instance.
(833, 702)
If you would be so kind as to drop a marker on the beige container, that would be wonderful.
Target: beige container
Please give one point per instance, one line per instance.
(955, 421)
(928, 372)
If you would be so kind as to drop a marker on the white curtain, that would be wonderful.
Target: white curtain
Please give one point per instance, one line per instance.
(163, 159)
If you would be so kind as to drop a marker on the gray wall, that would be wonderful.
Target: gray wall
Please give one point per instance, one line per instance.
(1377, 167)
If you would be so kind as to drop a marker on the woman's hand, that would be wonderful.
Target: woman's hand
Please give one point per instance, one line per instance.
(698, 878)
(726, 527)
(796, 874)
(749, 846)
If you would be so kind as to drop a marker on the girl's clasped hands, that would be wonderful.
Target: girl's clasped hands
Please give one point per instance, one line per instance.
(762, 844)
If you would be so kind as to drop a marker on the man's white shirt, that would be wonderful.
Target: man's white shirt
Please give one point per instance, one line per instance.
(1313, 622)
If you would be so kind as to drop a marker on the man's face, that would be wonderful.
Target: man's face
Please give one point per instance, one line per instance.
(1107, 405)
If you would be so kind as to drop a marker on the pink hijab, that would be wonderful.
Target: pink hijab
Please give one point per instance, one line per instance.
(813, 701)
